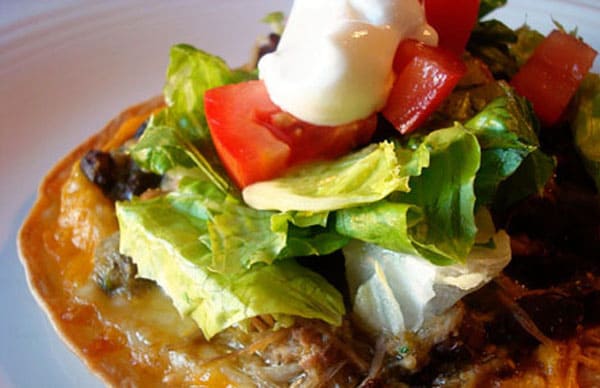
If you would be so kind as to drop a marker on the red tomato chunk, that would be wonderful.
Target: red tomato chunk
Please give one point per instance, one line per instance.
(257, 141)
(453, 20)
(425, 77)
(550, 78)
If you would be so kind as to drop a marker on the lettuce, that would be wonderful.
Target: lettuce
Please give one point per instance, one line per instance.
(530, 178)
(191, 72)
(393, 292)
(239, 237)
(361, 177)
(164, 237)
(223, 261)
(445, 194)
(163, 148)
(507, 133)
(435, 219)
(218, 259)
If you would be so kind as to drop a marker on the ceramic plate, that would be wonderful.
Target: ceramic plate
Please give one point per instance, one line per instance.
(68, 66)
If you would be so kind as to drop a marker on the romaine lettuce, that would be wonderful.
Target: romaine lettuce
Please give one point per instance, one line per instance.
(361, 177)
(191, 72)
(507, 133)
(164, 241)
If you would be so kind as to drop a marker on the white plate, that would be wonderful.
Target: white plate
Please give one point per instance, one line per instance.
(68, 66)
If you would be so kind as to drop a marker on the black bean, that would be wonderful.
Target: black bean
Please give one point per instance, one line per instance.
(133, 182)
(99, 168)
(117, 175)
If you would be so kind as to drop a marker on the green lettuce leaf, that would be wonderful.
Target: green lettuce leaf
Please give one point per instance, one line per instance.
(162, 236)
(361, 177)
(239, 236)
(191, 72)
(385, 223)
(163, 148)
(390, 194)
(435, 219)
(507, 133)
(445, 194)
(308, 234)
(586, 125)
(530, 178)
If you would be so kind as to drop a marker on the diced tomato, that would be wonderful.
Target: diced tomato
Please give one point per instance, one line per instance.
(425, 77)
(248, 150)
(258, 141)
(453, 20)
(551, 76)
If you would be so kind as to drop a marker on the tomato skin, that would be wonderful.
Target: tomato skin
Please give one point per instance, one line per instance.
(257, 141)
(425, 77)
(552, 75)
(453, 20)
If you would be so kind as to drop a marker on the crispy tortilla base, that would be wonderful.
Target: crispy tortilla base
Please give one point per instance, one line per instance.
(80, 327)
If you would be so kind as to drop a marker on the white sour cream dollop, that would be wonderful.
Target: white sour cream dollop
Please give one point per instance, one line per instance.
(333, 64)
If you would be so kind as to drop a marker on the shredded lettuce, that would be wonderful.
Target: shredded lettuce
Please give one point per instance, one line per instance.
(163, 148)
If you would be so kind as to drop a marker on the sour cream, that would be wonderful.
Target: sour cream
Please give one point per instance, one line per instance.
(333, 64)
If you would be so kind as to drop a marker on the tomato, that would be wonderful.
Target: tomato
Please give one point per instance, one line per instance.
(551, 76)
(453, 20)
(425, 77)
(258, 141)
